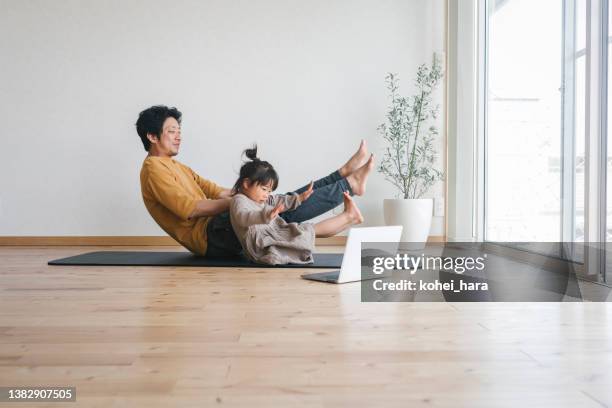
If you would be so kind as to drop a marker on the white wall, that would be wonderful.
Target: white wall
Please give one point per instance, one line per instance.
(305, 79)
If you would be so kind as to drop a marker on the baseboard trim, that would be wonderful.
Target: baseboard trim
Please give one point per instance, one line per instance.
(88, 241)
(134, 240)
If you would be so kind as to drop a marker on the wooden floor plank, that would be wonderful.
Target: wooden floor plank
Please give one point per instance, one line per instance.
(172, 336)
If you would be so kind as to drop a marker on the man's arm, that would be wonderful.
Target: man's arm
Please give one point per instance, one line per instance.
(207, 208)
(211, 189)
(225, 193)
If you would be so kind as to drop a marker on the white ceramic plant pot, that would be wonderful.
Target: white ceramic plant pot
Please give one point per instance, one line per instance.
(413, 214)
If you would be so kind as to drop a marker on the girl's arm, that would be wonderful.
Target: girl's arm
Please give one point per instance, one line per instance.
(243, 216)
(290, 201)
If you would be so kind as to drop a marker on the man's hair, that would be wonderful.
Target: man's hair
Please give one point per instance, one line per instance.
(151, 120)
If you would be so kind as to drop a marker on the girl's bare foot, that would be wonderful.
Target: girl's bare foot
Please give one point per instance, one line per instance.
(358, 179)
(356, 161)
(351, 210)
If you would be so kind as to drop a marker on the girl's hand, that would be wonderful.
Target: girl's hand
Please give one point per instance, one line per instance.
(279, 208)
(304, 196)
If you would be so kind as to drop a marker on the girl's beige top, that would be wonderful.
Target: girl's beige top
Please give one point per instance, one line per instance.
(276, 242)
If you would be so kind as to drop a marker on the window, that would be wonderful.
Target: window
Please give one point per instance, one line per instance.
(523, 142)
(544, 113)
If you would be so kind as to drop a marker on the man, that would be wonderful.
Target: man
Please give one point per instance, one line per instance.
(194, 210)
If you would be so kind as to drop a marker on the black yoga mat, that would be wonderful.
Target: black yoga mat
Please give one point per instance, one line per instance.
(144, 258)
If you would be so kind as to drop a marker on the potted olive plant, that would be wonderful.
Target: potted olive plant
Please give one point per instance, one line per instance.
(408, 161)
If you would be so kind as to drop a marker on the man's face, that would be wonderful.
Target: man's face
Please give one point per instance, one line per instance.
(169, 141)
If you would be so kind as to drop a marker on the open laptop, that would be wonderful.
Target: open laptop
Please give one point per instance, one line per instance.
(350, 270)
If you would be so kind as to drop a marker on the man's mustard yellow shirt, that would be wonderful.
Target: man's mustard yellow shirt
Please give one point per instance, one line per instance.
(170, 191)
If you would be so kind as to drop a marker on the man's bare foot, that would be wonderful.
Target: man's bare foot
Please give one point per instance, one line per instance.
(358, 179)
(351, 210)
(356, 161)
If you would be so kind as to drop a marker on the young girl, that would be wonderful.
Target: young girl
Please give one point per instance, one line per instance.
(266, 237)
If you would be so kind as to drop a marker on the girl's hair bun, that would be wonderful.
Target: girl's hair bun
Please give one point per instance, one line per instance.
(256, 171)
(251, 153)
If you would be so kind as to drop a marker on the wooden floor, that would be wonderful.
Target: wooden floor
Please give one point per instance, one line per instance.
(195, 337)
